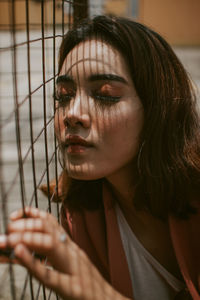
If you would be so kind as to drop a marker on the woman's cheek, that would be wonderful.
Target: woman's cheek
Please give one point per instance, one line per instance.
(59, 126)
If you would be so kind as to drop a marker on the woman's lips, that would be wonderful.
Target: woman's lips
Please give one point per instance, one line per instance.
(76, 144)
(76, 149)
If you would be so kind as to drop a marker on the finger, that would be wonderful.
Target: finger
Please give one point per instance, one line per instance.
(79, 286)
(3, 241)
(34, 224)
(30, 212)
(59, 282)
(6, 253)
(59, 253)
(37, 242)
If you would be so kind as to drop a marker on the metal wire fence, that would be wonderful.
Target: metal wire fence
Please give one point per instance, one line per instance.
(30, 35)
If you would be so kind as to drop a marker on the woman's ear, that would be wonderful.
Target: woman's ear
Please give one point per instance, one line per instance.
(57, 193)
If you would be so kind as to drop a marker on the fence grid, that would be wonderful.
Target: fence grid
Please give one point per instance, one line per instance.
(28, 147)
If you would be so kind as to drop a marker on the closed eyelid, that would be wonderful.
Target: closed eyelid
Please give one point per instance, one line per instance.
(65, 84)
(103, 85)
(64, 79)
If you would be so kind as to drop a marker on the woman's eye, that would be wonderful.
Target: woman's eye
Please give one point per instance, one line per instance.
(63, 98)
(106, 98)
(64, 93)
(107, 94)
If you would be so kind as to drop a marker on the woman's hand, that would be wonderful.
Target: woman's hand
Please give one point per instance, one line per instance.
(73, 276)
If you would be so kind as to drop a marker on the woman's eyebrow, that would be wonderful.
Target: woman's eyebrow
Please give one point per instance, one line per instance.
(64, 78)
(111, 77)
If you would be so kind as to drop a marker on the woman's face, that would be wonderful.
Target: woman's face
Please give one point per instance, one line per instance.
(98, 116)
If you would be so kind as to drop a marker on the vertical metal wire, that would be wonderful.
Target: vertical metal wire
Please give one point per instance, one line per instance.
(45, 115)
(17, 127)
(31, 122)
(44, 292)
(38, 292)
(70, 16)
(16, 105)
(54, 108)
(2, 187)
(31, 287)
(63, 19)
(30, 103)
(44, 102)
(24, 288)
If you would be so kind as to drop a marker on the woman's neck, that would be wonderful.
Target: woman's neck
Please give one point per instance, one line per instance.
(123, 185)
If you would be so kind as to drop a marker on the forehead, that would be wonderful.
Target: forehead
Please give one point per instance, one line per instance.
(94, 56)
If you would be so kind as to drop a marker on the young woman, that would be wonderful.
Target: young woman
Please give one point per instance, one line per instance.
(129, 134)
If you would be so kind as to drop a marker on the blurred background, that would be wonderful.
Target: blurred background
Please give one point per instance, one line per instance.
(178, 21)
(30, 34)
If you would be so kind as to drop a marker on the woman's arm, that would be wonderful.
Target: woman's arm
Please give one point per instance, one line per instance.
(73, 276)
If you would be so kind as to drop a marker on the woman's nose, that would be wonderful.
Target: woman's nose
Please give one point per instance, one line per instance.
(77, 113)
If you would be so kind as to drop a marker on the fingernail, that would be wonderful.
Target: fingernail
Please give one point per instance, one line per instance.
(19, 250)
(14, 214)
(3, 239)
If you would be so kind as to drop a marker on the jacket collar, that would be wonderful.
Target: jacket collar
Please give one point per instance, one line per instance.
(185, 236)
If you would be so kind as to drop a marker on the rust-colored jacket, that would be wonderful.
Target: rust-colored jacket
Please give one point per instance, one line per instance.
(98, 235)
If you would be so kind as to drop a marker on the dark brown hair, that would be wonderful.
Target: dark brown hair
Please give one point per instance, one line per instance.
(169, 157)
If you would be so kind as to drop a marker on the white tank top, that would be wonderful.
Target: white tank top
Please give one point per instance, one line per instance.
(150, 280)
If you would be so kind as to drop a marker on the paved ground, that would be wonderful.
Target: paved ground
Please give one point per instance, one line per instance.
(11, 177)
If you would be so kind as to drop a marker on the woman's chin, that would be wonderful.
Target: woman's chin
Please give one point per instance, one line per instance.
(83, 176)
(83, 173)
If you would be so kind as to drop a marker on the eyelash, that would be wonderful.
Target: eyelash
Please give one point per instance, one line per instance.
(104, 100)
(62, 98)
